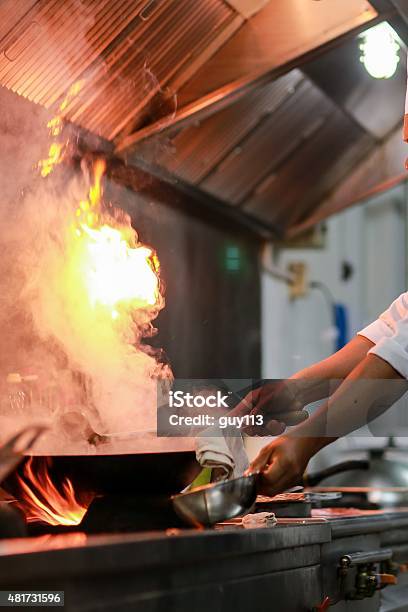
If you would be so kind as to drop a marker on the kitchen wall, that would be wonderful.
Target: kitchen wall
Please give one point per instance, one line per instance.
(371, 239)
(297, 333)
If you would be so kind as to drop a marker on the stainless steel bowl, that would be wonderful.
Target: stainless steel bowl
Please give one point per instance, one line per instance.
(214, 503)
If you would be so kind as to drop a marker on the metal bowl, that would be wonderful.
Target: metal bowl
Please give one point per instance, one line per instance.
(214, 503)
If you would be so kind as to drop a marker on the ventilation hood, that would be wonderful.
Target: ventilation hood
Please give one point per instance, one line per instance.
(229, 100)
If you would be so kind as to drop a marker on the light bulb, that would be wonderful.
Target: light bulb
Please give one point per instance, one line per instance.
(380, 51)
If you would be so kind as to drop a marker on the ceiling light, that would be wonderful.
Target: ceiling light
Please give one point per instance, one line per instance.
(380, 51)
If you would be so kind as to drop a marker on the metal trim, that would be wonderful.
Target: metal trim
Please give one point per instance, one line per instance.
(146, 179)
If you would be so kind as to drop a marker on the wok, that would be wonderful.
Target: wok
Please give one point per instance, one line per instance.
(136, 474)
(149, 474)
(142, 473)
(384, 484)
(214, 503)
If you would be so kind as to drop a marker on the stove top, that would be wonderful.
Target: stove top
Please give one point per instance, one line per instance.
(178, 568)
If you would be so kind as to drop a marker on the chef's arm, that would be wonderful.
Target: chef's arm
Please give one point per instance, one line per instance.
(311, 384)
(276, 399)
(371, 388)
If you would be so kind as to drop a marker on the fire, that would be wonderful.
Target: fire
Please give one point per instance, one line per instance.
(42, 501)
(115, 273)
(88, 211)
(94, 293)
(56, 125)
(54, 158)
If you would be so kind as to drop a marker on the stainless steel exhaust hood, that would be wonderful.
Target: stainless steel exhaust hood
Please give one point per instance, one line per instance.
(218, 79)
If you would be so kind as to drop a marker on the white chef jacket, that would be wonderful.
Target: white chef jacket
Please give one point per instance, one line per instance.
(390, 335)
(406, 117)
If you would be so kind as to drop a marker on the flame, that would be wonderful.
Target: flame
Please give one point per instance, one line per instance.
(42, 501)
(88, 211)
(95, 293)
(115, 274)
(55, 125)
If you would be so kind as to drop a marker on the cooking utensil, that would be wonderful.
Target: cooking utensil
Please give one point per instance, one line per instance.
(383, 484)
(288, 417)
(138, 474)
(221, 501)
(354, 465)
(76, 425)
(153, 473)
(13, 451)
(215, 503)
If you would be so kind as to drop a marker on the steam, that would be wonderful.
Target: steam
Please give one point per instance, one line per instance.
(84, 360)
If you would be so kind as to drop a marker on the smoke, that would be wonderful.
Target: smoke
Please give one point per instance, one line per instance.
(81, 360)
(77, 367)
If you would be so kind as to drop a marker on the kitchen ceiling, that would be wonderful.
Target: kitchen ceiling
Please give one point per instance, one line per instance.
(203, 92)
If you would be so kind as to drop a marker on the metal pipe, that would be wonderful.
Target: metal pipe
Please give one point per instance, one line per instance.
(279, 274)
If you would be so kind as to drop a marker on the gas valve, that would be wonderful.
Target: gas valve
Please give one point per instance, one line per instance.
(366, 583)
(368, 577)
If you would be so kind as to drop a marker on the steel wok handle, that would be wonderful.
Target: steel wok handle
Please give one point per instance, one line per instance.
(22, 441)
(13, 451)
(311, 480)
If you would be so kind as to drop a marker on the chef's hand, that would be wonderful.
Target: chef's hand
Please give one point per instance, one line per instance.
(282, 463)
(273, 406)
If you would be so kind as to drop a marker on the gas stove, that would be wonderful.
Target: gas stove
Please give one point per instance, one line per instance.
(298, 564)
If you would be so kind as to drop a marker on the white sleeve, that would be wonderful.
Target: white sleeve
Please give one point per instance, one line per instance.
(390, 335)
(376, 331)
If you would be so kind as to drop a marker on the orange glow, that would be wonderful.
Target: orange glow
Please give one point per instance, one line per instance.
(55, 125)
(54, 158)
(42, 501)
(107, 267)
(96, 291)
(88, 211)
